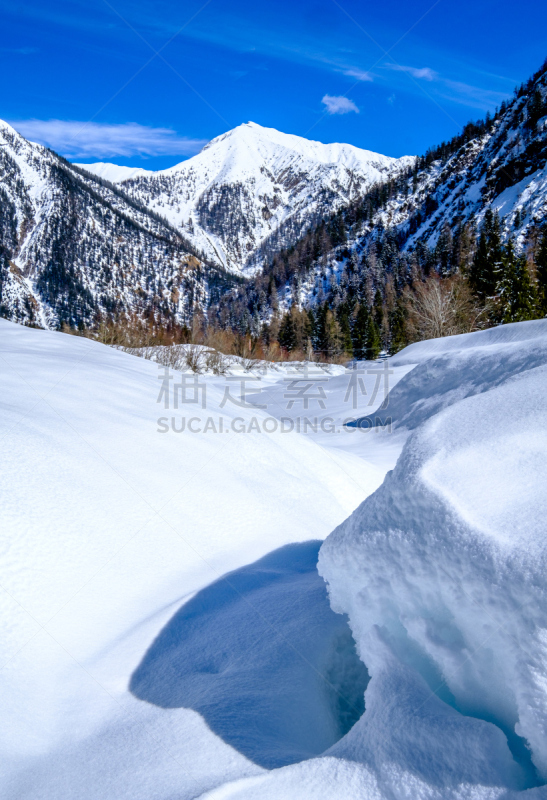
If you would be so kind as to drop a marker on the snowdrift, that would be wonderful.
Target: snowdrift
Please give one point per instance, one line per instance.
(443, 570)
(451, 369)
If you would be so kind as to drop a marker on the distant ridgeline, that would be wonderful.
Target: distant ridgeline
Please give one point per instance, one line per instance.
(445, 243)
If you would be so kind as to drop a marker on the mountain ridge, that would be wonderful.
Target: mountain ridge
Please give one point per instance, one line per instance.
(74, 248)
(253, 189)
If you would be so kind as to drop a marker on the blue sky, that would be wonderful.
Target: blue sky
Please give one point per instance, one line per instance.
(148, 83)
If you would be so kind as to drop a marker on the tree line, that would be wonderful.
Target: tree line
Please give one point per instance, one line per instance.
(460, 285)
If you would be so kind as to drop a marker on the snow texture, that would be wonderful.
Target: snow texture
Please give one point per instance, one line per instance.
(165, 632)
(273, 609)
(113, 532)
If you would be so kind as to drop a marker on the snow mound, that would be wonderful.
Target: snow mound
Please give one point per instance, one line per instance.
(451, 369)
(442, 572)
(519, 332)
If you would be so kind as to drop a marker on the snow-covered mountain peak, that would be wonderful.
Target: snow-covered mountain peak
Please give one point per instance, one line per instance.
(252, 138)
(253, 190)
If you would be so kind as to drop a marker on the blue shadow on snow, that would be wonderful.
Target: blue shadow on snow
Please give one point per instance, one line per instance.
(262, 657)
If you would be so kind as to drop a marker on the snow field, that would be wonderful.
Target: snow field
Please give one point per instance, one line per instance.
(165, 631)
(109, 528)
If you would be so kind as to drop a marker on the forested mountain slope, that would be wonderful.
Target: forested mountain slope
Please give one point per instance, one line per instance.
(73, 248)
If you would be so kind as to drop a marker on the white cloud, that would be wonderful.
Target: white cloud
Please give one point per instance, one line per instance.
(359, 74)
(339, 105)
(96, 140)
(422, 73)
(454, 91)
(474, 96)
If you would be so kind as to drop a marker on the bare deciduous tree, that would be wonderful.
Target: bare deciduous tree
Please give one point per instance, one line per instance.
(437, 308)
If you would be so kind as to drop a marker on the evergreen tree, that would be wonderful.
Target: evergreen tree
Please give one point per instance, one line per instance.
(517, 295)
(295, 330)
(360, 332)
(333, 336)
(345, 329)
(517, 221)
(488, 257)
(527, 294)
(374, 343)
(287, 332)
(541, 266)
(312, 327)
(320, 339)
(378, 310)
(444, 250)
(465, 242)
(398, 336)
(536, 109)
(338, 229)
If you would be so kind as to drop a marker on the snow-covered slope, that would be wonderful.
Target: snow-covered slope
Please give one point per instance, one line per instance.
(73, 247)
(505, 169)
(114, 534)
(254, 190)
(500, 164)
(442, 571)
(165, 632)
